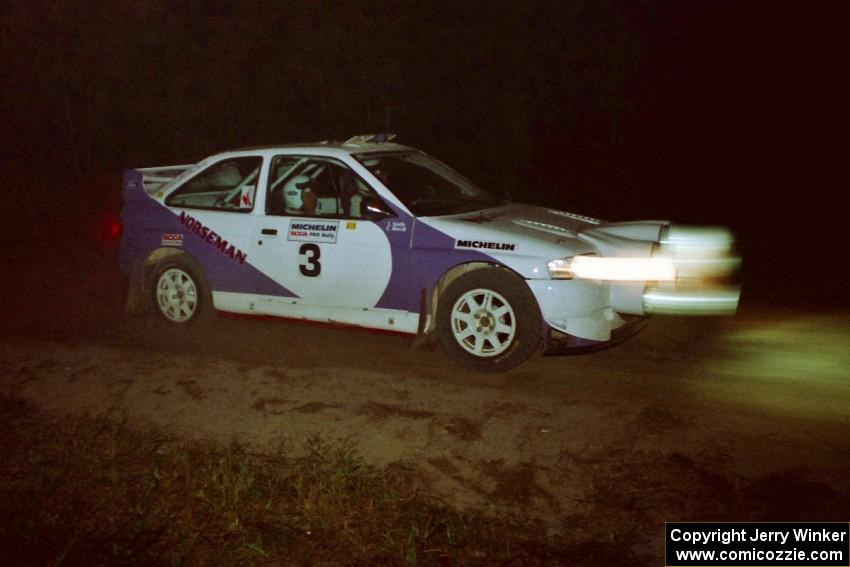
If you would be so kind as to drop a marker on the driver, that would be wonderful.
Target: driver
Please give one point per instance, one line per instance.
(298, 197)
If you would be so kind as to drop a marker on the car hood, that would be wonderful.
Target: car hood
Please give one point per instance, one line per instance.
(539, 231)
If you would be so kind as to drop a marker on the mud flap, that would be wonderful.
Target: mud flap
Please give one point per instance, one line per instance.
(136, 303)
(424, 340)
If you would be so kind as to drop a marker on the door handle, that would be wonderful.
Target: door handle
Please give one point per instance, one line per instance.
(269, 232)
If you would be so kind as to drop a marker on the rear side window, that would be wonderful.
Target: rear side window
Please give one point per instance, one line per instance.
(229, 185)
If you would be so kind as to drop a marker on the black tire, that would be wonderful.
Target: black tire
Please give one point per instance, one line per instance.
(179, 294)
(480, 333)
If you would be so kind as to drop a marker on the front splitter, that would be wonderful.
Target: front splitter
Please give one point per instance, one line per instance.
(560, 344)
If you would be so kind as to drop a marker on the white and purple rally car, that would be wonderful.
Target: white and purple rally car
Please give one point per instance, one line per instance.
(382, 236)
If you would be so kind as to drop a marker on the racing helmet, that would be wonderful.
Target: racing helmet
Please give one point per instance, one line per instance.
(294, 190)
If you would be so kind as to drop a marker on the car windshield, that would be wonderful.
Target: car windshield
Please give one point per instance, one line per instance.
(426, 186)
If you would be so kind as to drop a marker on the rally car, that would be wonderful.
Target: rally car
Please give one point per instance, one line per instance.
(374, 234)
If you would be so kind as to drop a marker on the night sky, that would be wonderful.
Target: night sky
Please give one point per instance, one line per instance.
(700, 112)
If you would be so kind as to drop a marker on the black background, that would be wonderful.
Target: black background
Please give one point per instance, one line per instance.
(700, 112)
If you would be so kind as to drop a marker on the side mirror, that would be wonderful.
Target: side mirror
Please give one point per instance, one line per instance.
(372, 208)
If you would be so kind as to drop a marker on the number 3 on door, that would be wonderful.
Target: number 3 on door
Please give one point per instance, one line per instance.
(308, 256)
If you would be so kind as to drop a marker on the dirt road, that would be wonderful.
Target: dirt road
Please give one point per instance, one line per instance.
(743, 418)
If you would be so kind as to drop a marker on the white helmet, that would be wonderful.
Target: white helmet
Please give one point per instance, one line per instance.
(292, 193)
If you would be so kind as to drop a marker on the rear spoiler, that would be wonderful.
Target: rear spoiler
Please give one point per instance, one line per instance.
(155, 177)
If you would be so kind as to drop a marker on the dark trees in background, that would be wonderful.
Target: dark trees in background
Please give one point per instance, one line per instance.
(650, 109)
(544, 99)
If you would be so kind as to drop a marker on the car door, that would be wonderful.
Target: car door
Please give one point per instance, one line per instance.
(335, 260)
(215, 217)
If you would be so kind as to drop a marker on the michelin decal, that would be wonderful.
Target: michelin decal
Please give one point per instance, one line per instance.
(313, 231)
(483, 245)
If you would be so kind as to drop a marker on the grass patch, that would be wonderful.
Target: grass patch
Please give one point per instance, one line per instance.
(91, 491)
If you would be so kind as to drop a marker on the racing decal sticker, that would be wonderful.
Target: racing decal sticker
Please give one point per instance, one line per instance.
(351, 225)
(172, 240)
(396, 226)
(483, 245)
(309, 255)
(213, 239)
(246, 199)
(313, 231)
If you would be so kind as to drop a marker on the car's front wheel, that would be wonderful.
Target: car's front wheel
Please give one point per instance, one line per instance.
(488, 320)
(180, 294)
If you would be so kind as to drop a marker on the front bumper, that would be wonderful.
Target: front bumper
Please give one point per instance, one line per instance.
(586, 309)
(556, 343)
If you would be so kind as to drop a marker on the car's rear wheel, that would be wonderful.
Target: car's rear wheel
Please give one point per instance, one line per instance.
(488, 320)
(180, 294)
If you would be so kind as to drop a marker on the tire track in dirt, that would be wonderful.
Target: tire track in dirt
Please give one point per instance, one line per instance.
(389, 417)
(639, 429)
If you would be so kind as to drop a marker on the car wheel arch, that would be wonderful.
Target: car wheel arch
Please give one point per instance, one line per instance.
(175, 258)
(144, 269)
(488, 319)
(451, 275)
(164, 254)
(160, 255)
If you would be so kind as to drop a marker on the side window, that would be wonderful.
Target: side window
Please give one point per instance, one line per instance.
(230, 184)
(317, 187)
